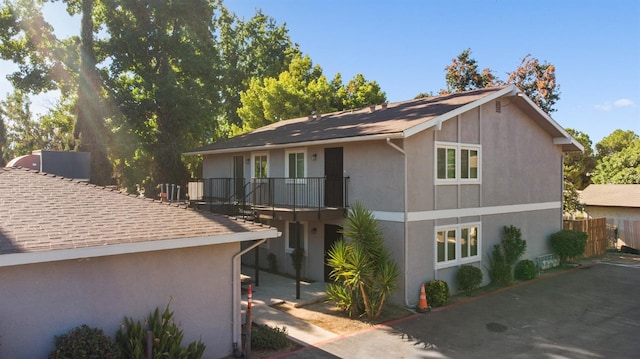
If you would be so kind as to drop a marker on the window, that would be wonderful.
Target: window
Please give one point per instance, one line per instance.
(456, 163)
(260, 166)
(457, 244)
(295, 165)
(295, 232)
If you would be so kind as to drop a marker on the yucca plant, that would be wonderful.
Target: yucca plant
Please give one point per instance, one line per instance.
(362, 269)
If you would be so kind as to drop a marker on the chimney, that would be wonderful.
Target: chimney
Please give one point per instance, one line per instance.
(372, 108)
(384, 106)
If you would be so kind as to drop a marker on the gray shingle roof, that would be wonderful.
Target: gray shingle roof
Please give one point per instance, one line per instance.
(41, 212)
(611, 195)
(397, 117)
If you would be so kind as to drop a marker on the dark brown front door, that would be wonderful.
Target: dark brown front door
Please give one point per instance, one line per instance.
(333, 171)
(331, 235)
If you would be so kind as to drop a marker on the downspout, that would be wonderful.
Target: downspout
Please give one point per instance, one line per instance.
(406, 222)
(235, 293)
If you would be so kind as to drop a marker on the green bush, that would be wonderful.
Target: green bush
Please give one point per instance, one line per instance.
(505, 255)
(268, 338)
(437, 293)
(568, 244)
(167, 338)
(525, 270)
(84, 342)
(468, 278)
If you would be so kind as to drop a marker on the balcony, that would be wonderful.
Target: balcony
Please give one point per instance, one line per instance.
(279, 198)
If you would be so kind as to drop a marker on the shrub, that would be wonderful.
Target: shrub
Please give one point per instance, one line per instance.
(468, 278)
(525, 270)
(167, 338)
(568, 244)
(437, 293)
(84, 342)
(268, 338)
(505, 255)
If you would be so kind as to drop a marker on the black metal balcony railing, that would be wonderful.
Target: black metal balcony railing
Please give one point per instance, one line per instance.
(272, 193)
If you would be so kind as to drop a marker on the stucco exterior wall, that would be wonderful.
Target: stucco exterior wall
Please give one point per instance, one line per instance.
(40, 301)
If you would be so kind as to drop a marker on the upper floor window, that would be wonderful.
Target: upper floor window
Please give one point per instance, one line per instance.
(295, 165)
(260, 166)
(457, 244)
(457, 163)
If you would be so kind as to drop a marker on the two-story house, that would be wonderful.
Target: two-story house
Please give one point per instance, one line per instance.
(442, 174)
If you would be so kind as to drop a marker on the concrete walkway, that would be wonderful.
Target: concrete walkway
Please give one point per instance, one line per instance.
(275, 289)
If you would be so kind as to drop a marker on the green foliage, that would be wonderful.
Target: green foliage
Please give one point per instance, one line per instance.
(167, 338)
(505, 255)
(567, 244)
(619, 164)
(437, 293)
(525, 270)
(84, 342)
(468, 278)
(268, 338)
(362, 268)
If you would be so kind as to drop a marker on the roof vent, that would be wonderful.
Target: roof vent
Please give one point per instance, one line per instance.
(498, 107)
(384, 106)
(372, 108)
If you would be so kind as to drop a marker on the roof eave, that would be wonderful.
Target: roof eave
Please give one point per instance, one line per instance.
(382, 136)
(14, 259)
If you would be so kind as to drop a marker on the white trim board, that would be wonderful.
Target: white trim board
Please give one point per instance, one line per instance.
(13, 259)
(465, 212)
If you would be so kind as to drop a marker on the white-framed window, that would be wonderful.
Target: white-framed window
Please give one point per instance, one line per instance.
(260, 165)
(457, 163)
(295, 231)
(295, 164)
(457, 244)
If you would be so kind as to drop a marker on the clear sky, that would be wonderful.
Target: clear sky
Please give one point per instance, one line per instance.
(405, 45)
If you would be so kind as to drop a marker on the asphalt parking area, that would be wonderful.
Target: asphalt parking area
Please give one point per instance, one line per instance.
(589, 312)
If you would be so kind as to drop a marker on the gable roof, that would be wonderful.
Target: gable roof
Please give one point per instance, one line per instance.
(45, 218)
(397, 120)
(611, 195)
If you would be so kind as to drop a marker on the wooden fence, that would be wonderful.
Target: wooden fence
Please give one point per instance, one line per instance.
(596, 230)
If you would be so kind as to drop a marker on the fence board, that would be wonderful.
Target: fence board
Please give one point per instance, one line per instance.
(596, 230)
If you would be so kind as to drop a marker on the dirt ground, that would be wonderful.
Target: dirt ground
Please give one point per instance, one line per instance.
(329, 317)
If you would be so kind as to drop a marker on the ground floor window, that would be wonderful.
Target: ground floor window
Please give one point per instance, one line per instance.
(296, 235)
(457, 244)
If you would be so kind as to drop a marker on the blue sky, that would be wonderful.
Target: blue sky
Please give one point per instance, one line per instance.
(405, 45)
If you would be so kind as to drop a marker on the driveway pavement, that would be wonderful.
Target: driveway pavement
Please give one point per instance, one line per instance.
(590, 312)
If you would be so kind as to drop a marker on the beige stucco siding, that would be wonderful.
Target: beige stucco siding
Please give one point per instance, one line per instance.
(40, 301)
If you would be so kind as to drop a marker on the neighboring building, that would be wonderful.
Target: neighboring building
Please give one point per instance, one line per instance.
(69, 164)
(620, 204)
(442, 174)
(72, 253)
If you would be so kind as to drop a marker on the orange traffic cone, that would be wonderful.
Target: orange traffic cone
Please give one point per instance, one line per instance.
(422, 303)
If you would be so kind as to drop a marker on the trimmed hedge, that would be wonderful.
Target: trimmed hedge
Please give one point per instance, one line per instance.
(468, 278)
(568, 244)
(437, 293)
(525, 270)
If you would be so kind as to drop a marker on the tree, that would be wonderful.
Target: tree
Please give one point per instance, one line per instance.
(463, 75)
(362, 267)
(301, 90)
(619, 167)
(359, 93)
(89, 130)
(578, 165)
(258, 48)
(537, 81)
(617, 141)
(163, 79)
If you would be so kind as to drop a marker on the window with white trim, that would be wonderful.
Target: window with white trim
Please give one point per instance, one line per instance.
(457, 244)
(456, 163)
(295, 164)
(260, 165)
(296, 231)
